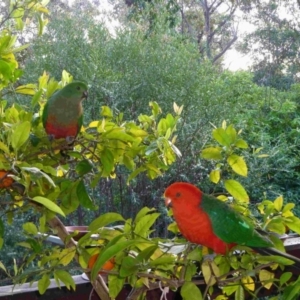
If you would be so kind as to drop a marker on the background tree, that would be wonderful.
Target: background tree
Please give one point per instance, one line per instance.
(274, 43)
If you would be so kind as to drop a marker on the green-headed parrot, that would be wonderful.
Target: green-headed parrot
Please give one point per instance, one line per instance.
(208, 221)
(63, 114)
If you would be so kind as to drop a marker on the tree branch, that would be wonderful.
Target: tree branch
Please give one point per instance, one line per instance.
(98, 284)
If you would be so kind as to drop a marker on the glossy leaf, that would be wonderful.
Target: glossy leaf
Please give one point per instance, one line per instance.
(238, 164)
(248, 282)
(142, 227)
(66, 278)
(48, 204)
(285, 277)
(84, 167)
(278, 203)
(83, 196)
(215, 176)
(214, 153)
(234, 188)
(129, 266)
(20, 134)
(30, 228)
(116, 283)
(241, 144)
(43, 284)
(293, 223)
(266, 278)
(104, 220)
(220, 135)
(108, 253)
(275, 259)
(240, 293)
(189, 291)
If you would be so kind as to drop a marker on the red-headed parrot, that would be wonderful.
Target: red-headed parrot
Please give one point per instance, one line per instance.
(208, 221)
(63, 115)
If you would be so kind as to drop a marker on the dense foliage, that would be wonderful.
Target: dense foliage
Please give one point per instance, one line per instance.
(131, 148)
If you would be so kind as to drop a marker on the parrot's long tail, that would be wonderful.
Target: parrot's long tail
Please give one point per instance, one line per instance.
(274, 251)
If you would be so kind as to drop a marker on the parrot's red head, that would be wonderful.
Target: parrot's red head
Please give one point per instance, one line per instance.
(180, 192)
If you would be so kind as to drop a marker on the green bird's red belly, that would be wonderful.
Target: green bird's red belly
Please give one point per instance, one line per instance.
(196, 227)
(59, 132)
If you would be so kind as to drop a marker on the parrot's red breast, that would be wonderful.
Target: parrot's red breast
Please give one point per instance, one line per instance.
(54, 128)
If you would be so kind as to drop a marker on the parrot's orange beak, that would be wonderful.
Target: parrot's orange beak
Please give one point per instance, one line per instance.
(168, 202)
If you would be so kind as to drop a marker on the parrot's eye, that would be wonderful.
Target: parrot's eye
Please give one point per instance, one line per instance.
(177, 195)
(78, 88)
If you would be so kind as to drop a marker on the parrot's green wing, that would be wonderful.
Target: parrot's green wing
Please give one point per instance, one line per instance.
(46, 107)
(230, 226)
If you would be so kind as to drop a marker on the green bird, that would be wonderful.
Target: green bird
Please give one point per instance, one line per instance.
(63, 114)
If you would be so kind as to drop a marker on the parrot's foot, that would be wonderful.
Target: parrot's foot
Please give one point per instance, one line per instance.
(51, 137)
(70, 139)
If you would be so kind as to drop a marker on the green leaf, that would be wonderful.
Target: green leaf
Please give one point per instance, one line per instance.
(214, 176)
(108, 253)
(104, 220)
(196, 254)
(238, 164)
(106, 112)
(293, 223)
(278, 203)
(276, 225)
(231, 132)
(83, 196)
(84, 167)
(230, 288)
(236, 190)
(240, 293)
(266, 278)
(115, 284)
(20, 134)
(43, 284)
(142, 227)
(292, 291)
(67, 256)
(4, 148)
(143, 212)
(163, 260)
(189, 291)
(146, 253)
(288, 207)
(129, 266)
(241, 144)
(275, 259)
(107, 161)
(48, 204)
(285, 277)
(214, 153)
(66, 278)
(28, 89)
(220, 135)
(30, 228)
(191, 270)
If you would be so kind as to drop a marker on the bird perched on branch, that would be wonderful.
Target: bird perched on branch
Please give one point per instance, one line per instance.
(63, 114)
(208, 221)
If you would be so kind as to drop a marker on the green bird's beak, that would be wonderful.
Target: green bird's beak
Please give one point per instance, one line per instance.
(85, 94)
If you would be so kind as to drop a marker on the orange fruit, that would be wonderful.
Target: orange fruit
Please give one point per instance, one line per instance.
(107, 266)
(5, 180)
